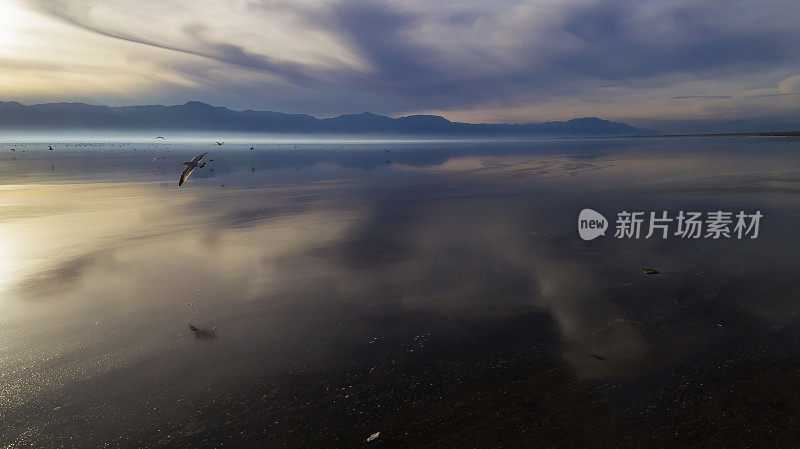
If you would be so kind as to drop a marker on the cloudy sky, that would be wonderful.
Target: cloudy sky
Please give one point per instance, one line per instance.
(479, 61)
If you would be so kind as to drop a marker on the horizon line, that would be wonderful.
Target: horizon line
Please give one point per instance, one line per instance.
(577, 117)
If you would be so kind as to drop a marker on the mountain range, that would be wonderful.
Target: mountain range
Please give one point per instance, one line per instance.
(197, 116)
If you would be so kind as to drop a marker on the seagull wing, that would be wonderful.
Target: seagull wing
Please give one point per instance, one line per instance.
(186, 172)
(197, 158)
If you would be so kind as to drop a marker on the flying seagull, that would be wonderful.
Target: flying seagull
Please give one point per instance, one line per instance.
(191, 165)
(650, 270)
(160, 137)
(219, 143)
(157, 158)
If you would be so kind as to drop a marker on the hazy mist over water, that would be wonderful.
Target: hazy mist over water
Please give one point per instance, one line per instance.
(436, 292)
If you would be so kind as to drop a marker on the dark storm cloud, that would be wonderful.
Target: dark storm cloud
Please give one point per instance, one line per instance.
(586, 45)
(376, 30)
(692, 38)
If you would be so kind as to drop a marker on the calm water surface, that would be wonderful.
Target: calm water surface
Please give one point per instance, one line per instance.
(437, 293)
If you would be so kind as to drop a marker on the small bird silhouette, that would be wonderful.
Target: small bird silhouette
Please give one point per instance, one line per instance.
(51, 148)
(650, 270)
(219, 143)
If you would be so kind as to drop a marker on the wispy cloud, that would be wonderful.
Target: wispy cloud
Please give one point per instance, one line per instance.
(692, 97)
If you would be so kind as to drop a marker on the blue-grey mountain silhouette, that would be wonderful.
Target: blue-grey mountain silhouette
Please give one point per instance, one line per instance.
(197, 116)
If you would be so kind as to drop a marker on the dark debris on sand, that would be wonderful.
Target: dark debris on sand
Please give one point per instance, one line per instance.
(203, 334)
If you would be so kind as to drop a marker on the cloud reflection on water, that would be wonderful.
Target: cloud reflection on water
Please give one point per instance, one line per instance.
(103, 277)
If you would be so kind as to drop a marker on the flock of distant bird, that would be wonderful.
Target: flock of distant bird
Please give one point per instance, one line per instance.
(192, 164)
(195, 162)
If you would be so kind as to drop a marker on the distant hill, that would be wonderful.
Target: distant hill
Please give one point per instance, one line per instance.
(197, 116)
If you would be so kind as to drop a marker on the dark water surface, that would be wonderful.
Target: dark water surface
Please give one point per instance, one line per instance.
(438, 294)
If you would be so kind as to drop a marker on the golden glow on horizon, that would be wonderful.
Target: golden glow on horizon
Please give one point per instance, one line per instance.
(43, 59)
